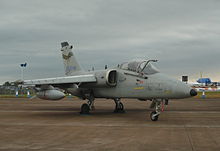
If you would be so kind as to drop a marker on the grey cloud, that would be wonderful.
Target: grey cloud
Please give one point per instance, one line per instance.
(183, 35)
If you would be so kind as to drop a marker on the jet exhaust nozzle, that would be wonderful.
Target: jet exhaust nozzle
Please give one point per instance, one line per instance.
(193, 92)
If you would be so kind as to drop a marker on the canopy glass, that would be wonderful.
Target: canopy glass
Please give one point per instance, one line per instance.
(143, 66)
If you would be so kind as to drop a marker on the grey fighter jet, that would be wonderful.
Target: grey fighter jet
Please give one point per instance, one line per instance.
(137, 79)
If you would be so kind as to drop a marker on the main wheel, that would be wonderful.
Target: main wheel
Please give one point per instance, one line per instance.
(121, 106)
(153, 116)
(85, 109)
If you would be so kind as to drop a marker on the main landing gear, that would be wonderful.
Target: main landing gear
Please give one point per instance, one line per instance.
(119, 107)
(86, 107)
(158, 108)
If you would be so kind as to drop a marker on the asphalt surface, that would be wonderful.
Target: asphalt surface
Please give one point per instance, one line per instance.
(186, 125)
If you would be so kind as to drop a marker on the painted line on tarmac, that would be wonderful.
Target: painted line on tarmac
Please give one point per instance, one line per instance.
(50, 111)
(190, 112)
(110, 125)
(22, 111)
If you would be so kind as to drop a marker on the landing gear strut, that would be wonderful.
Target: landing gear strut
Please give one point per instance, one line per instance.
(119, 107)
(86, 107)
(158, 108)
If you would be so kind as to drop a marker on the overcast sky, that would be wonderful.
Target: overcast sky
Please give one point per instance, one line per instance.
(184, 35)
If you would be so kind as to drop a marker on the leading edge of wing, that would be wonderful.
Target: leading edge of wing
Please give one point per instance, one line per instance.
(61, 80)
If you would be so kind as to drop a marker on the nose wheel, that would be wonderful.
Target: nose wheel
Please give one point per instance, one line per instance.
(158, 108)
(154, 116)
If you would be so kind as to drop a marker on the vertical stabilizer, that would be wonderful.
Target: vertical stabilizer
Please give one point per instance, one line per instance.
(70, 64)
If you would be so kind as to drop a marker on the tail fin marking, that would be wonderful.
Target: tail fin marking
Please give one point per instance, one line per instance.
(70, 64)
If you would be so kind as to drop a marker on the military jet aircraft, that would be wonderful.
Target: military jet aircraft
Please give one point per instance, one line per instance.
(137, 79)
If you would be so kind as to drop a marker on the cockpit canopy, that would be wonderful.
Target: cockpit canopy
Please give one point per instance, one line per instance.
(140, 66)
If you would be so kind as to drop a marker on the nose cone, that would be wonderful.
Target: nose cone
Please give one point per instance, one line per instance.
(183, 90)
(193, 92)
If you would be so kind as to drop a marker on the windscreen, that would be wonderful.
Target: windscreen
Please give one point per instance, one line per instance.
(150, 69)
(143, 66)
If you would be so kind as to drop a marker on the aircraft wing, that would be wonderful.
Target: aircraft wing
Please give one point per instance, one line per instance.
(62, 80)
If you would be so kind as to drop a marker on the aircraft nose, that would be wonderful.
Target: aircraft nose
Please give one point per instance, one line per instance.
(193, 92)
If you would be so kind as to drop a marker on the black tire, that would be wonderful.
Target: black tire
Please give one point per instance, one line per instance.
(85, 109)
(121, 106)
(152, 117)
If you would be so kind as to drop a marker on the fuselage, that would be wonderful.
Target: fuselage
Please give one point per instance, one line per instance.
(133, 85)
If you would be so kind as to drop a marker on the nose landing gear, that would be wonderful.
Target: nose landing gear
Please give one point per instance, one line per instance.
(158, 106)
